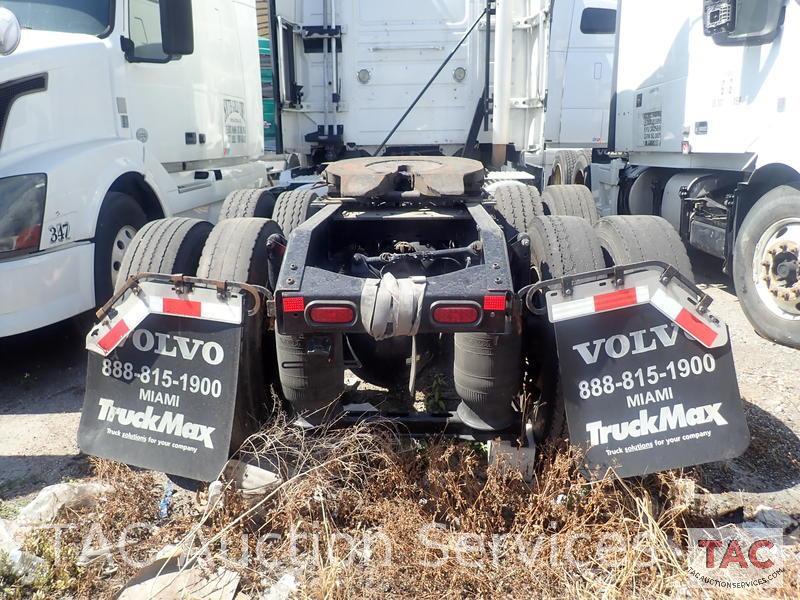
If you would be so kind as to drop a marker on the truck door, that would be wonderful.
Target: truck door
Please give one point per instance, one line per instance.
(400, 45)
(188, 111)
(587, 76)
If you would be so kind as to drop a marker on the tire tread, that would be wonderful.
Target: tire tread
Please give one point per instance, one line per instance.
(157, 248)
(570, 200)
(637, 238)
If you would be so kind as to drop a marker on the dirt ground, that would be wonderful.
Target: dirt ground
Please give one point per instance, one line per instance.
(42, 378)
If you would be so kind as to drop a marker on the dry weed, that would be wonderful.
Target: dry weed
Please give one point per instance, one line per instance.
(362, 514)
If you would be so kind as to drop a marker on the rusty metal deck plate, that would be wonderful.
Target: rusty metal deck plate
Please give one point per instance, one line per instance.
(430, 176)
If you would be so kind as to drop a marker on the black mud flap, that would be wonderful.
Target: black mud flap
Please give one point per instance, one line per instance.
(648, 379)
(161, 388)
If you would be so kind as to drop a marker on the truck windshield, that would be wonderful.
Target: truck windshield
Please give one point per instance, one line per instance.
(71, 16)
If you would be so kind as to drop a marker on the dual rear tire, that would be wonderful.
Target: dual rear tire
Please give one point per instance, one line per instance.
(310, 369)
(560, 245)
(628, 239)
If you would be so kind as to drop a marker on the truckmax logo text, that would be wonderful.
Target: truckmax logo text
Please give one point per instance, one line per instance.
(674, 417)
(169, 422)
(636, 342)
(170, 345)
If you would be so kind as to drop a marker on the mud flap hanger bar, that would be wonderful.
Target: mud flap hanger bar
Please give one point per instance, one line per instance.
(181, 284)
(651, 282)
(190, 297)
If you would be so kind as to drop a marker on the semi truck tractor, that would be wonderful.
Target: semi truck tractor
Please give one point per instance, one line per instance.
(404, 258)
(342, 80)
(704, 123)
(113, 114)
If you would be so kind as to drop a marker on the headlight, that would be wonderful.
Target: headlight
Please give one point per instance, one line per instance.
(21, 213)
(10, 32)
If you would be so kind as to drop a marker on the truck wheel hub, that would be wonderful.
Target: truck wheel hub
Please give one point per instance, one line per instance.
(777, 268)
(121, 242)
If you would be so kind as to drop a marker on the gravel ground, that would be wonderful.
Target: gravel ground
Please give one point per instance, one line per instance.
(42, 377)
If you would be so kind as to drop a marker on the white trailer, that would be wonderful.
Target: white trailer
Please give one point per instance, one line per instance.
(348, 69)
(114, 113)
(707, 117)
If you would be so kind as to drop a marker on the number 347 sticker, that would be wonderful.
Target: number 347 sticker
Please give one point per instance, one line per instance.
(59, 232)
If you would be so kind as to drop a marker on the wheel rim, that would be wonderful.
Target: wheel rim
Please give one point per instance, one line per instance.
(121, 242)
(557, 178)
(776, 269)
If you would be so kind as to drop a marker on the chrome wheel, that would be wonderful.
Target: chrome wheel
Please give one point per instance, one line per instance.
(121, 242)
(557, 178)
(776, 269)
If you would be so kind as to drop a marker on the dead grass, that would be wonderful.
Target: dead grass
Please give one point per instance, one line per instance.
(362, 515)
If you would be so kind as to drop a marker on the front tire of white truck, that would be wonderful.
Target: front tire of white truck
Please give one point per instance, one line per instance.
(581, 174)
(766, 265)
(563, 167)
(120, 218)
(171, 246)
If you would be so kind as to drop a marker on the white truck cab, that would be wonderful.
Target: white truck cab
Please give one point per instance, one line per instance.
(114, 113)
(347, 70)
(704, 131)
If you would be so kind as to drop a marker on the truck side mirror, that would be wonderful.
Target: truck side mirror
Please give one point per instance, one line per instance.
(177, 30)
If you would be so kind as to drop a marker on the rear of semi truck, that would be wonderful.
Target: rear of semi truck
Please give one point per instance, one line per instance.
(387, 265)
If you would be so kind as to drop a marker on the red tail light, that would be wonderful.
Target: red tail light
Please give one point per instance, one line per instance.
(293, 304)
(332, 314)
(494, 303)
(456, 314)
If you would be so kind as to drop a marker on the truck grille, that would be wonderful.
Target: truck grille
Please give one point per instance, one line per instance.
(12, 90)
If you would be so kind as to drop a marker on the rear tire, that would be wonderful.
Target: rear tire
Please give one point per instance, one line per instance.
(517, 206)
(248, 203)
(773, 220)
(559, 246)
(570, 201)
(310, 381)
(120, 218)
(236, 250)
(563, 167)
(628, 239)
(172, 246)
(580, 176)
(292, 208)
